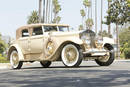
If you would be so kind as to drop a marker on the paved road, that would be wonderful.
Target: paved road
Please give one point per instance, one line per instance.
(89, 74)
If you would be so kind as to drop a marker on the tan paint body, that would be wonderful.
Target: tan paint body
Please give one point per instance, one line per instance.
(35, 48)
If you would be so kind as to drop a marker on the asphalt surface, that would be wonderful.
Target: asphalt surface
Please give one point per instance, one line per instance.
(89, 74)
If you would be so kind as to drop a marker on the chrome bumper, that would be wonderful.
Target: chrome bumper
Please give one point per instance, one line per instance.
(96, 52)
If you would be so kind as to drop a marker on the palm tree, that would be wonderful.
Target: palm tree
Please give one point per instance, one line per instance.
(40, 8)
(33, 18)
(58, 19)
(82, 12)
(47, 4)
(91, 9)
(56, 9)
(87, 4)
(109, 26)
(96, 16)
(101, 14)
(89, 23)
(80, 27)
(44, 3)
(51, 14)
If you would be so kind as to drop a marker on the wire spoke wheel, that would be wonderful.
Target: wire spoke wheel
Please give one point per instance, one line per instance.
(107, 59)
(71, 56)
(14, 60)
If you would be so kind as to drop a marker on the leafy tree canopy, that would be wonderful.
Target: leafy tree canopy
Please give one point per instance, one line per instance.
(118, 12)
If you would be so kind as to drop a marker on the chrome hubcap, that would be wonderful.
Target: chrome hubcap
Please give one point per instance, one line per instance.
(105, 58)
(70, 54)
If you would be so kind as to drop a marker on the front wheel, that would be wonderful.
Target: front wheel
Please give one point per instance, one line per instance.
(71, 55)
(14, 60)
(107, 60)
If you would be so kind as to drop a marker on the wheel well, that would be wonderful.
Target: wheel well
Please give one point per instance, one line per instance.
(9, 52)
(109, 46)
(69, 42)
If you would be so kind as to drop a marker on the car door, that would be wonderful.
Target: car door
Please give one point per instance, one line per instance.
(36, 40)
(24, 41)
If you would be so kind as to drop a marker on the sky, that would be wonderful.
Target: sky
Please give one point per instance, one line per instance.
(14, 13)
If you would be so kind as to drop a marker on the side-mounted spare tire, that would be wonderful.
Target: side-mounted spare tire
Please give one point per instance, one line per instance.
(71, 55)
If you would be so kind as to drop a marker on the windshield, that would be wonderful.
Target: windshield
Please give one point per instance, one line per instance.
(50, 28)
(63, 28)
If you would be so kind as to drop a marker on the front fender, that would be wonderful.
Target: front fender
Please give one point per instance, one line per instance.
(16, 47)
(77, 41)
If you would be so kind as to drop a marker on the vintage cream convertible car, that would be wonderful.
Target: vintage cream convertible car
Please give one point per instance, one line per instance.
(55, 42)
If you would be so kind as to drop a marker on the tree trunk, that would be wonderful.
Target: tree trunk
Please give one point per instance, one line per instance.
(96, 16)
(91, 8)
(49, 2)
(51, 11)
(44, 7)
(40, 10)
(83, 21)
(117, 41)
(88, 12)
(109, 29)
(109, 26)
(101, 15)
(47, 11)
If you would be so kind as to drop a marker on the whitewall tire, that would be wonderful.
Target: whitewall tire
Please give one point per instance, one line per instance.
(71, 55)
(14, 60)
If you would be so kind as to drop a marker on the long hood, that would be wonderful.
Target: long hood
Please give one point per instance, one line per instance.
(65, 33)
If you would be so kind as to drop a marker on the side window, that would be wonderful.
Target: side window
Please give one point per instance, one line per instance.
(25, 33)
(37, 31)
(50, 28)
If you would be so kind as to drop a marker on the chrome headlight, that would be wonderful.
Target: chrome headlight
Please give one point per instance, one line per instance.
(99, 42)
(85, 37)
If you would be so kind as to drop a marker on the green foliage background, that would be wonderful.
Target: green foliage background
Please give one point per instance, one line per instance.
(125, 42)
(3, 47)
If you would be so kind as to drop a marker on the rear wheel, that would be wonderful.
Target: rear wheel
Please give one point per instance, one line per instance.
(45, 64)
(14, 60)
(71, 56)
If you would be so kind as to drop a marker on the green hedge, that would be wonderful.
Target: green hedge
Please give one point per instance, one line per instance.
(127, 53)
(3, 59)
